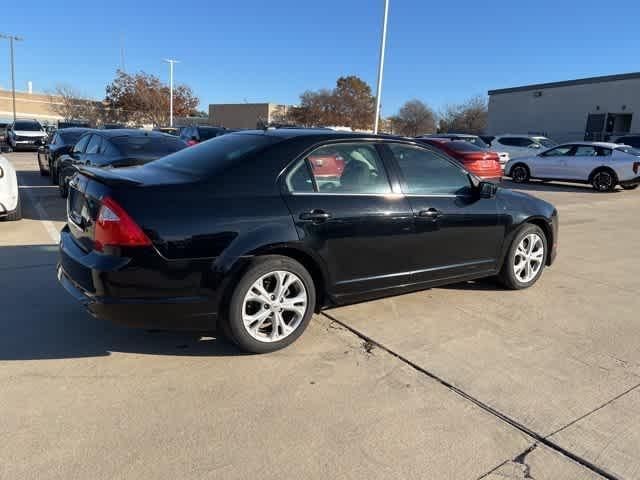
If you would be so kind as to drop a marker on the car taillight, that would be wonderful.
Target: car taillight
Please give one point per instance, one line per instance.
(636, 167)
(191, 143)
(115, 227)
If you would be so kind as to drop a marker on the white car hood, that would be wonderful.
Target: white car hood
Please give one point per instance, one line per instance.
(28, 133)
(8, 186)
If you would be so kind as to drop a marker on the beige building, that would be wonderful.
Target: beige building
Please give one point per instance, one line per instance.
(28, 105)
(597, 108)
(246, 115)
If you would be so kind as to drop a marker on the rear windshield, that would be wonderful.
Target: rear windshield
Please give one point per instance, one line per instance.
(153, 145)
(70, 137)
(207, 158)
(207, 133)
(28, 126)
(630, 150)
(463, 146)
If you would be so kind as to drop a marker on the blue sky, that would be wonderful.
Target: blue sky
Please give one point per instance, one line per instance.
(254, 50)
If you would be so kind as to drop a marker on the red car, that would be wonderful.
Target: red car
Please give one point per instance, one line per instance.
(482, 163)
(327, 166)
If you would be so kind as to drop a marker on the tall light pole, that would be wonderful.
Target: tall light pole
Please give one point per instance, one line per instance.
(11, 39)
(171, 63)
(383, 44)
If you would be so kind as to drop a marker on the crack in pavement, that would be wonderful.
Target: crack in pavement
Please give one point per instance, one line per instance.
(537, 437)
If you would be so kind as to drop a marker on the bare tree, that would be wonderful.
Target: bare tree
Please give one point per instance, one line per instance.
(467, 117)
(72, 105)
(414, 118)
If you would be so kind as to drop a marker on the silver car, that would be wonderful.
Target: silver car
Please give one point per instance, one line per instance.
(603, 165)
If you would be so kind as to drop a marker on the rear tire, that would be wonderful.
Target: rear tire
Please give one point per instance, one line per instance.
(525, 260)
(630, 187)
(520, 173)
(275, 294)
(603, 180)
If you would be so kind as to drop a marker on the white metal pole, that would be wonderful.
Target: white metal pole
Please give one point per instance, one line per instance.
(11, 39)
(383, 45)
(171, 63)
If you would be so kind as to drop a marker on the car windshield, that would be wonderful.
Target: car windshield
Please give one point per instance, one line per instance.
(152, 145)
(629, 150)
(28, 126)
(207, 158)
(545, 142)
(70, 137)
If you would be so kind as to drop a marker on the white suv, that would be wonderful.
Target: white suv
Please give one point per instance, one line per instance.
(26, 133)
(521, 145)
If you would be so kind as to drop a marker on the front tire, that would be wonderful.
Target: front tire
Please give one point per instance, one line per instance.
(525, 259)
(271, 306)
(17, 213)
(520, 173)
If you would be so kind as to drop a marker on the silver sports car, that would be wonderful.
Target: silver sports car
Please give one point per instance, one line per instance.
(603, 165)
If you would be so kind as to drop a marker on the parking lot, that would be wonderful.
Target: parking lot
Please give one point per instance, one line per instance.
(467, 381)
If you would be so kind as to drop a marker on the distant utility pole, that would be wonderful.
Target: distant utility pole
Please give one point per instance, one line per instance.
(11, 39)
(383, 44)
(122, 65)
(171, 63)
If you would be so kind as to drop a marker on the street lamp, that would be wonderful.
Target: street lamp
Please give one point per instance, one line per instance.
(383, 44)
(11, 39)
(171, 64)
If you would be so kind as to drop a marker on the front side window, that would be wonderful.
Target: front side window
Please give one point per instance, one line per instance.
(585, 151)
(345, 168)
(427, 173)
(559, 152)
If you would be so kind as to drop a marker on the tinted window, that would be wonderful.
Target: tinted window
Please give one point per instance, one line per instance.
(94, 144)
(516, 141)
(559, 152)
(353, 168)
(153, 145)
(299, 180)
(210, 157)
(28, 126)
(80, 146)
(70, 137)
(207, 133)
(463, 146)
(427, 173)
(585, 151)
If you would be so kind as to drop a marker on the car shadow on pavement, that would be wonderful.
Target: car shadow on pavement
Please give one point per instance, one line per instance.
(538, 186)
(39, 320)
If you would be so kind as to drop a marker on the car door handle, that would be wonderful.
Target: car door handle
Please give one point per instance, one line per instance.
(430, 213)
(315, 216)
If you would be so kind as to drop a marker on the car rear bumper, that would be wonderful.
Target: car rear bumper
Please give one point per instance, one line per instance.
(88, 277)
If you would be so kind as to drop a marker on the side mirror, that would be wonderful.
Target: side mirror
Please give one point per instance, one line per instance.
(487, 189)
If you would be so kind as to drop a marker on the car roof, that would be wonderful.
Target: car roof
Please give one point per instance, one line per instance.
(523, 135)
(591, 144)
(74, 129)
(129, 132)
(319, 134)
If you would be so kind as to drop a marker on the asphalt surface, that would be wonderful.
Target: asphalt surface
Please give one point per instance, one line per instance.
(468, 381)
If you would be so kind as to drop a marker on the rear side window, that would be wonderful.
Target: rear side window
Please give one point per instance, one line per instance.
(82, 144)
(427, 173)
(515, 141)
(559, 151)
(148, 145)
(208, 158)
(344, 168)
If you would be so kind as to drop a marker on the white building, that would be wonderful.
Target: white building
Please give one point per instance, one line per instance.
(597, 108)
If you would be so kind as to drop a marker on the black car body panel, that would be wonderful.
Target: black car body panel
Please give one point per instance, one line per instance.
(205, 228)
(61, 143)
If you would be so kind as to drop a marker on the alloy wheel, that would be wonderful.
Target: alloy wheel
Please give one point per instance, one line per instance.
(519, 174)
(529, 258)
(603, 181)
(274, 306)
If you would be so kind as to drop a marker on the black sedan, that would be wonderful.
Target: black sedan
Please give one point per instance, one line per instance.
(114, 149)
(245, 231)
(62, 141)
